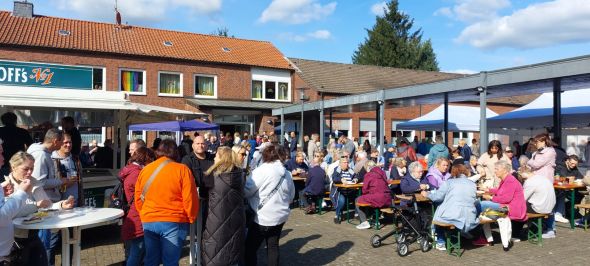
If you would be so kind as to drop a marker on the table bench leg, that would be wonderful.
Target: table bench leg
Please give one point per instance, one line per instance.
(535, 234)
(65, 247)
(572, 203)
(70, 244)
(377, 224)
(453, 242)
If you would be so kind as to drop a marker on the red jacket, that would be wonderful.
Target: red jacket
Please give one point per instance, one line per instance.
(375, 189)
(131, 227)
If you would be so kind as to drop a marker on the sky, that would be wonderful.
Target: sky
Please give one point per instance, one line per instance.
(468, 36)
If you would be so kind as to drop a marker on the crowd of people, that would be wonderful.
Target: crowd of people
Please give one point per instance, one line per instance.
(239, 189)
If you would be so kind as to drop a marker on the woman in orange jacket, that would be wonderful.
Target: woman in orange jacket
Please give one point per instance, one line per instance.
(167, 205)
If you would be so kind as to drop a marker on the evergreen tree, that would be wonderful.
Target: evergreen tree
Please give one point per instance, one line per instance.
(392, 43)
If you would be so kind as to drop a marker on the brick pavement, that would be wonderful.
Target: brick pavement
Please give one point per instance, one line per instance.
(316, 240)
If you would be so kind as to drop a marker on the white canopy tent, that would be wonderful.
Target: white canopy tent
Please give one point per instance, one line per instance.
(461, 118)
(538, 114)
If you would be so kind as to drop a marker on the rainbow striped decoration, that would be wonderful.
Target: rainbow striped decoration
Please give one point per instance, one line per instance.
(130, 81)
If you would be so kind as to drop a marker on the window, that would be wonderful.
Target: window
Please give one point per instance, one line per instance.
(166, 135)
(257, 89)
(205, 86)
(98, 79)
(269, 90)
(460, 135)
(170, 84)
(271, 85)
(283, 91)
(132, 81)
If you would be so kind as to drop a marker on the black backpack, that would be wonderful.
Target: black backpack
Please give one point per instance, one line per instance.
(118, 198)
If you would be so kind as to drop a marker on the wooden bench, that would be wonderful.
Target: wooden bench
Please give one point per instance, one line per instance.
(586, 208)
(453, 238)
(535, 225)
(377, 214)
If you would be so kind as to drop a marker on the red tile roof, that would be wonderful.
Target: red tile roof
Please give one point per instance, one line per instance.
(42, 31)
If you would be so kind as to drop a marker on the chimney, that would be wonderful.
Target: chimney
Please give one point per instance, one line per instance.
(23, 9)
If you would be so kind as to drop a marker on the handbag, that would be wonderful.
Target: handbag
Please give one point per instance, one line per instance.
(495, 214)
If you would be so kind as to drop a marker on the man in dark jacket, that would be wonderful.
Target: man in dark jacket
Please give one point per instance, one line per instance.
(314, 186)
(464, 150)
(199, 162)
(293, 144)
(15, 138)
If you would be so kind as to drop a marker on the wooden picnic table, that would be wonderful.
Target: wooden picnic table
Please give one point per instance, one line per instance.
(358, 186)
(572, 188)
(298, 178)
(394, 181)
(419, 197)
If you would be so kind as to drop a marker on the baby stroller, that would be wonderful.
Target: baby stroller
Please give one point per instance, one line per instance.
(414, 228)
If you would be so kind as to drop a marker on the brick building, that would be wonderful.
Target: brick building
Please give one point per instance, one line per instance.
(232, 82)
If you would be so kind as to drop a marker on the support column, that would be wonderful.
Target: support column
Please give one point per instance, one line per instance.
(322, 124)
(557, 110)
(377, 125)
(115, 140)
(123, 138)
(446, 120)
(483, 122)
(331, 128)
(282, 136)
(381, 126)
(301, 127)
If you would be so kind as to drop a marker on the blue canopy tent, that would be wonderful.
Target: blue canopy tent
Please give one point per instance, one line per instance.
(191, 125)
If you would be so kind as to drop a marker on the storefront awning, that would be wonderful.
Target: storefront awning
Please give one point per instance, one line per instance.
(63, 98)
(238, 104)
(146, 108)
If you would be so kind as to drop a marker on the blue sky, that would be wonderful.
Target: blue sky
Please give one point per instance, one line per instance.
(467, 35)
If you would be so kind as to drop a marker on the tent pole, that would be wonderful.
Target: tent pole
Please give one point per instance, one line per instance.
(483, 122)
(557, 110)
(446, 120)
(331, 126)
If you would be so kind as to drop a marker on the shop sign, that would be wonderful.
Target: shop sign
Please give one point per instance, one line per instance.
(45, 75)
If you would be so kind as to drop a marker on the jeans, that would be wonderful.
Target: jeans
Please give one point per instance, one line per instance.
(135, 249)
(163, 242)
(361, 213)
(340, 202)
(49, 240)
(33, 252)
(483, 205)
(258, 233)
(560, 202)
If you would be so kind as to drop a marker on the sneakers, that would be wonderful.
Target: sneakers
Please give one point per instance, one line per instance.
(560, 218)
(515, 239)
(482, 241)
(441, 246)
(580, 222)
(364, 225)
(549, 234)
(337, 220)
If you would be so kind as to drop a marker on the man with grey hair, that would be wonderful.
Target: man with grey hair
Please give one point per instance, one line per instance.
(437, 151)
(359, 165)
(342, 174)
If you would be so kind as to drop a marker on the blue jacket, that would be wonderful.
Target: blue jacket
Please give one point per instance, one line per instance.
(314, 184)
(465, 152)
(457, 198)
(410, 185)
(292, 165)
(293, 145)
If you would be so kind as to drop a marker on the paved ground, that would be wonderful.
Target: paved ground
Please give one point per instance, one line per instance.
(316, 240)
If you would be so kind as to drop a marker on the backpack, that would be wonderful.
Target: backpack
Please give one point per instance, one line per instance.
(118, 198)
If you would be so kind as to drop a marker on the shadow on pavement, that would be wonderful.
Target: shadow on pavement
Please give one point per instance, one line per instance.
(315, 256)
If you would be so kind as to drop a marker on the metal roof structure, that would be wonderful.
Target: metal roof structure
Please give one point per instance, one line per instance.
(553, 76)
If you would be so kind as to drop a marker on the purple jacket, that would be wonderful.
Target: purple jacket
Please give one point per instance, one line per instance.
(510, 193)
(375, 189)
(435, 177)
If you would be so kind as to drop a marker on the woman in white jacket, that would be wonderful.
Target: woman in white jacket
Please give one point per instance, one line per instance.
(269, 191)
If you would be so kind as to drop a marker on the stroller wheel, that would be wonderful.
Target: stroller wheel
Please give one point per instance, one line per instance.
(402, 249)
(376, 241)
(401, 238)
(425, 244)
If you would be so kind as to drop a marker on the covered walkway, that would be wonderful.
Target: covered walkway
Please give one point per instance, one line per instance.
(553, 76)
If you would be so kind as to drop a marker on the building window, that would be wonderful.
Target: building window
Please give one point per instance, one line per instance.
(283, 91)
(205, 86)
(98, 79)
(257, 89)
(170, 84)
(269, 90)
(271, 85)
(132, 81)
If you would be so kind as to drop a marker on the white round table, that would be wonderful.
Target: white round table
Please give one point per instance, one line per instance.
(75, 219)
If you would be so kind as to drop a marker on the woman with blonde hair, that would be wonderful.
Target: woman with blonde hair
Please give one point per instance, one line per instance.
(223, 237)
